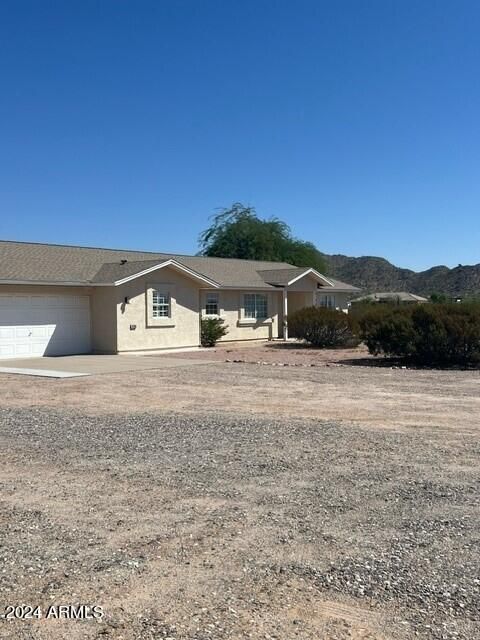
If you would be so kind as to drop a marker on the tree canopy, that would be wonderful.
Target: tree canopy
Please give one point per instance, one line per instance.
(238, 232)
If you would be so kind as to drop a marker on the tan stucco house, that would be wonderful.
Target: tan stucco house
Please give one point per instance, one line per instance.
(57, 299)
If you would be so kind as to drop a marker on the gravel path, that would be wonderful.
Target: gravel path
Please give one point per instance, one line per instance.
(196, 527)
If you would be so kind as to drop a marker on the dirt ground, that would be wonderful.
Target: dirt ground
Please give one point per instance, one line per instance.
(277, 353)
(243, 500)
(369, 396)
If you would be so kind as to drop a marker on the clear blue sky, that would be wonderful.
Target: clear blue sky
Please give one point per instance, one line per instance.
(126, 124)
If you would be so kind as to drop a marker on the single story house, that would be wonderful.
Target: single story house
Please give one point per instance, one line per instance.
(58, 300)
(392, 297)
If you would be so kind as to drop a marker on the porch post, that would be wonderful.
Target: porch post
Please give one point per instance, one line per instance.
(285, 313)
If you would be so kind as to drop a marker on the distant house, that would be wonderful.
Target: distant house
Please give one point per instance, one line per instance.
(58, 300)
(390, 297)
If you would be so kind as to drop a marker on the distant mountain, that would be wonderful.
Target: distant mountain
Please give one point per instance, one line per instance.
(377, 274)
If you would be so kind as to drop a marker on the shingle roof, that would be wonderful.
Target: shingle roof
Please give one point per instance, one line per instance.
(32, 262)
(35, 262)
(338, 285)
(23, 261)
(230, 272)
(113, 271)
(281, 277)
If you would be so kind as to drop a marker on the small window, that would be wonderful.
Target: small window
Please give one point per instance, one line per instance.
(160, 304)
(211, 304)
(255, 305)
(327, 300)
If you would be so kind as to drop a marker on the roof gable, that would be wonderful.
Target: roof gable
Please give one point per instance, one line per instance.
(286, 277)
(120, 272)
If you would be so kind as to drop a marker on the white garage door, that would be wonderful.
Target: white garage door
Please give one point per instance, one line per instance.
(41, 325)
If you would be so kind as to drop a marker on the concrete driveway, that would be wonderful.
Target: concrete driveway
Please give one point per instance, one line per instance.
(84, 365)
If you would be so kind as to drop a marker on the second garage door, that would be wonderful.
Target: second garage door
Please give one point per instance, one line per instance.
(44, 325)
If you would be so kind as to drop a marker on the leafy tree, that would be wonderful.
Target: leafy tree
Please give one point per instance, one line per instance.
(238, 232)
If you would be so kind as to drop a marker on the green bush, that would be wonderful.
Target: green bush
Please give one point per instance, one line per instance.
(429, 334)
(322, 327)
(212, 330)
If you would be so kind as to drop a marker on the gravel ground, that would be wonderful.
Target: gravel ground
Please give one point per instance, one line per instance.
(214, 526)
(382, 398)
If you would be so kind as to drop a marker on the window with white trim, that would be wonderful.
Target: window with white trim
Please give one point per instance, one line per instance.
(327, 300)
(211, 304)
(160, 304)
(255, 306)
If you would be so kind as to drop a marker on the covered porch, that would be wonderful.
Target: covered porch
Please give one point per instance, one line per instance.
(305, 287)
(299, 287)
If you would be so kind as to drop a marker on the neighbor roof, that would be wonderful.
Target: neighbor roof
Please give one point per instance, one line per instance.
(65, 264)
(402, 296)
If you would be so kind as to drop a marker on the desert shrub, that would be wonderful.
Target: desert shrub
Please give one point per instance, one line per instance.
(322, 327)
(448, 334)
(212, 329)
(429, 334)
(388, 329)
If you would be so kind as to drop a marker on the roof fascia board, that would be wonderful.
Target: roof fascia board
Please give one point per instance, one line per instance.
(169, 263)
(314, 272)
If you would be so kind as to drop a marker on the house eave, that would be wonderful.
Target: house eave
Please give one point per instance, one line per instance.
(49, 283)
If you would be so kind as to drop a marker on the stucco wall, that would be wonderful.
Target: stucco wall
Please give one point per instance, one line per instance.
(231, 304)
(308, 283)
(299, 299)
(104, 320)
(301, 294)
(181, 329)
